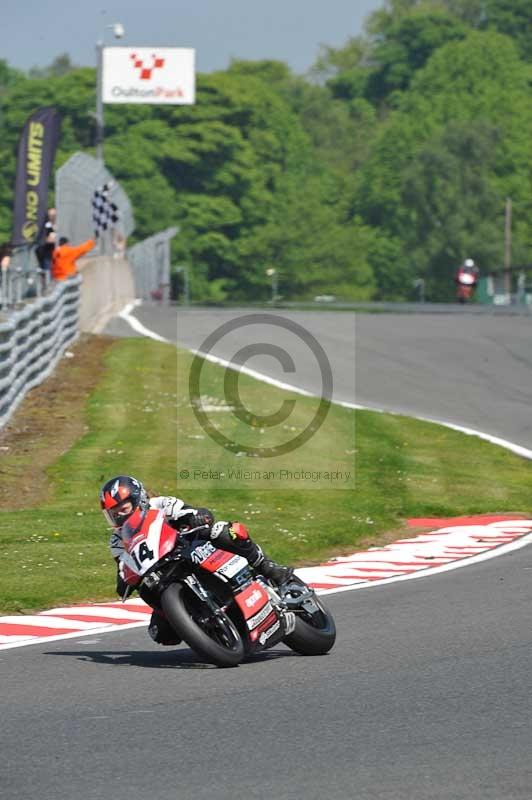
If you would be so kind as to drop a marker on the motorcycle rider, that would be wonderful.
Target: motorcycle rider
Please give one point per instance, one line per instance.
(466, 279)
(123, 495)
(468, 268)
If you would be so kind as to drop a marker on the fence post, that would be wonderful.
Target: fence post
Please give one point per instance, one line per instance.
(4, 289)
(507, 247)
(186, 290)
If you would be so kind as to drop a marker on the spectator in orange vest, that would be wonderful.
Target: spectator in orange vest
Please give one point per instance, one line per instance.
(64, 258)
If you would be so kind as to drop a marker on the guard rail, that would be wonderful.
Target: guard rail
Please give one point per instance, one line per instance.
(33, 339)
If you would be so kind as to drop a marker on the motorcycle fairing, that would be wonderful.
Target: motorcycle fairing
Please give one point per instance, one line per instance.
(144, 547)
(223, 563)
(258, 612)
(254, 602)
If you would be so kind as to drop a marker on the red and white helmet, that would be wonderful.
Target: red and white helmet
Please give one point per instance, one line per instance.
(120, 497)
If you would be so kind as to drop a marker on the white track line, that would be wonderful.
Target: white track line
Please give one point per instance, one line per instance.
(76, 635)
(137, 326)
(93, 611)
(42, 621)
(127, 316)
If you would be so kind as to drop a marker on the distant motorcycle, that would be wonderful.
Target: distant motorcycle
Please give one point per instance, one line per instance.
(466, 283)
(214, 600)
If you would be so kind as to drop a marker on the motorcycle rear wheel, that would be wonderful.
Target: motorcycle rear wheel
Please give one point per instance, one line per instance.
(213, 637)
(314, 633)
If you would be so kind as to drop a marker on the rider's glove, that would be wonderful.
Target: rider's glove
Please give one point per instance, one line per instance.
(121, 584)
(202, 516)
(173, 508)
(231, 531)
(219, 528)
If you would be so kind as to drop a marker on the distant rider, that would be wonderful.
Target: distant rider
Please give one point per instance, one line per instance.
(468, 268)
(466, 279)
(123, 495)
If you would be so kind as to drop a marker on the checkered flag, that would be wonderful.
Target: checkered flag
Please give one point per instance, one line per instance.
(104, 212)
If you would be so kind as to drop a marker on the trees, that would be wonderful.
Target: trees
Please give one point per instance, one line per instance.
(61, 65)
(454, 208)
(457, 145)
(406, 47)
(390, 161)
(400, 39)
(513, 18)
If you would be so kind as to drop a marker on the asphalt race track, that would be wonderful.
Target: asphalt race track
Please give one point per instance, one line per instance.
(427, 691)
(460, 368)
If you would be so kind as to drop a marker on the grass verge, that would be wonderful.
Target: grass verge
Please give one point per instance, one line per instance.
(138, 419)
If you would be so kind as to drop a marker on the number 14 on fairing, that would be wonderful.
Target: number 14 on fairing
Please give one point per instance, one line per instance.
(142, 553)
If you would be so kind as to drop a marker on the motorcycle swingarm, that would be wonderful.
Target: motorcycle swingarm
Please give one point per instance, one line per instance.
(304, 596)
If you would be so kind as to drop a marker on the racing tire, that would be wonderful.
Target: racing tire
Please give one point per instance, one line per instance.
(217, 641)
(314, 634)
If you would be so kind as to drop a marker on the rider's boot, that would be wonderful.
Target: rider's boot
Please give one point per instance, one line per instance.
(277, 573)
(161, 631)
(235, 538)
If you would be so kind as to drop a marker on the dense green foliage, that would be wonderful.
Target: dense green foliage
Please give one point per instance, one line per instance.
(390, 161)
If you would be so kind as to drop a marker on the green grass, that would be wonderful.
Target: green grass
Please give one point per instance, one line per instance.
(140, 421)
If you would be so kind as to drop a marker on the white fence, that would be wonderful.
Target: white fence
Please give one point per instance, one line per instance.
(150, 262)
(33, 339)
(75, 184)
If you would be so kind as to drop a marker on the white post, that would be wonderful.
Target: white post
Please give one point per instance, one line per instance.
(118, 32)
(99, 102)
(272, 273)
(507, 246)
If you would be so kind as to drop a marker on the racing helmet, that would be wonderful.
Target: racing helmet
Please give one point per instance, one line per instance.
(469, 262)
(120, 497)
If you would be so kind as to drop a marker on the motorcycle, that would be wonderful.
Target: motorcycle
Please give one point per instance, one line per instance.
(213, 599)
(465, 286)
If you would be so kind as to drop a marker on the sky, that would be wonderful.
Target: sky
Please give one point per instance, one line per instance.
(34, 32)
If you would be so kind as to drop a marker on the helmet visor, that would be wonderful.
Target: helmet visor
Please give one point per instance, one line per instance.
(117, 515)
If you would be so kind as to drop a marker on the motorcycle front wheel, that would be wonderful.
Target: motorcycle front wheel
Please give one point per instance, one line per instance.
(210, 634)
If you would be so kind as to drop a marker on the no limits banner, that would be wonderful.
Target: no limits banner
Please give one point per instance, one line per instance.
(36, 153)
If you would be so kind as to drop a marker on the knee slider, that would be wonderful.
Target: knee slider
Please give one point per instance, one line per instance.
(238, 531)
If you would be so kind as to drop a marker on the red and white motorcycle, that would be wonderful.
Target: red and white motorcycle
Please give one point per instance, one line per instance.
(466, 282)
(214, 600)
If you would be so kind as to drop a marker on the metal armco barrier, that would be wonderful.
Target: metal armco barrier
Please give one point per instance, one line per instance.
(18, 285)
(33, 339)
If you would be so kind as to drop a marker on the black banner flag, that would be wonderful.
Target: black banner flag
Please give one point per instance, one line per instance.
(36, 153)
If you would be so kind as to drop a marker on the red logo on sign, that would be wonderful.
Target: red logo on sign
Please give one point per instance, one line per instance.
(146, 71)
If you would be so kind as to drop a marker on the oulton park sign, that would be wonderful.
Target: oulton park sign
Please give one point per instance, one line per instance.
(148, 75)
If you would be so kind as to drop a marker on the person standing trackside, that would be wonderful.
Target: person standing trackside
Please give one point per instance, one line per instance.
(64, 258)
(45, 249)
